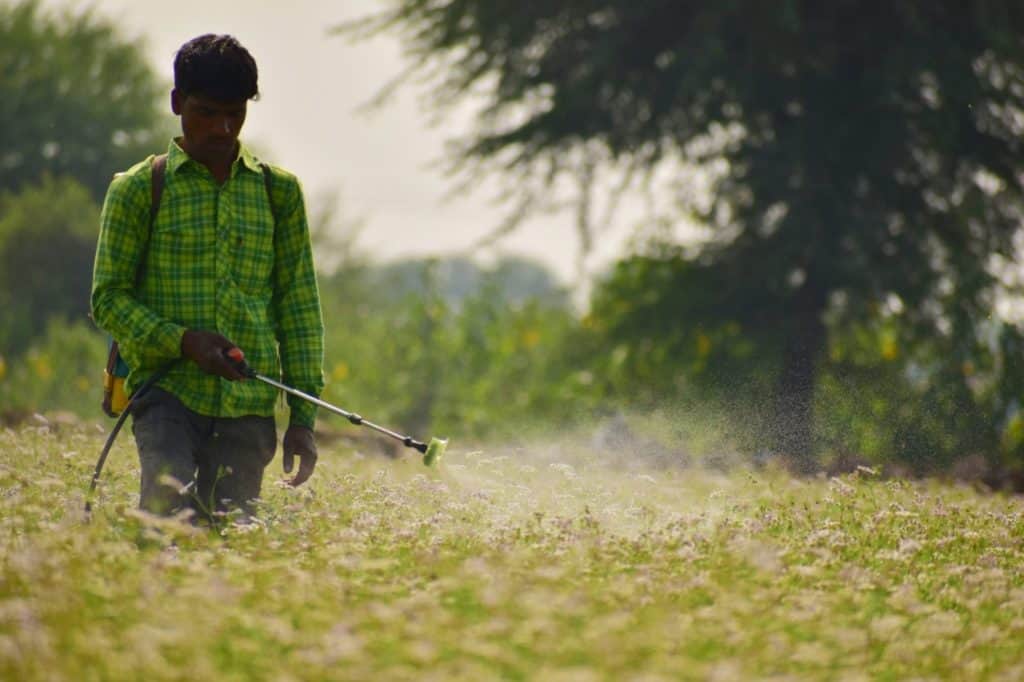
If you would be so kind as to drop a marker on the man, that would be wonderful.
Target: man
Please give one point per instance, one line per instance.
(224, 265)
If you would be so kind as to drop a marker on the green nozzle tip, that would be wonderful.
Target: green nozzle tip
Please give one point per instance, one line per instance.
(434, 451)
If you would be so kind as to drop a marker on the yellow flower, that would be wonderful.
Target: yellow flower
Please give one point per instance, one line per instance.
(340, 371)
(41, 366)
(890, 347)
(531, 337)
(703, 345)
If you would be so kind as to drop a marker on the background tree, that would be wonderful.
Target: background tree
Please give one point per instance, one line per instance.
(76, 98)
(857, 153)
(47, 240)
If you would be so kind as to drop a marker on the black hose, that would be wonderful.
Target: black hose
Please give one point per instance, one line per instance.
(138, 393)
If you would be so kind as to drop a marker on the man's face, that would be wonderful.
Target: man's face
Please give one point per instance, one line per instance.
(210, 126)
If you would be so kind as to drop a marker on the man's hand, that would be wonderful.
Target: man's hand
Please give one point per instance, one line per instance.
(298, 440)
(209, 351)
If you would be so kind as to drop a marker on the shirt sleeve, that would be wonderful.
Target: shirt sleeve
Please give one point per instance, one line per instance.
(296, 302)
(124, 236)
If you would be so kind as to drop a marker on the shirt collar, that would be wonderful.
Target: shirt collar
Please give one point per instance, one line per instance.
(176, 157)
(248, 159)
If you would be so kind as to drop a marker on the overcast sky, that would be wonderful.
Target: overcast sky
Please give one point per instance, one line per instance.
(308, 120)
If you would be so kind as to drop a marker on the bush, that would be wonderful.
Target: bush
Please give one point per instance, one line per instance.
(47, 240)
(485, 363)
(60, 370)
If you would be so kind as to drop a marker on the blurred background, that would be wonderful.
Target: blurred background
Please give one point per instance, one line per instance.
(679, 231)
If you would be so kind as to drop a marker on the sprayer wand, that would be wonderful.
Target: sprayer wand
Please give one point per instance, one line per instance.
(432, 451)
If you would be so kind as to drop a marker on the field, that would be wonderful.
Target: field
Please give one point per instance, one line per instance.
(539, 563)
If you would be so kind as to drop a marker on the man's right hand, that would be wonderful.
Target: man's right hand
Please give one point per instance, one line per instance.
(209, 351)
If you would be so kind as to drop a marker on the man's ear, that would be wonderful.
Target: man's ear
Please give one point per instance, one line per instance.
(177, 101)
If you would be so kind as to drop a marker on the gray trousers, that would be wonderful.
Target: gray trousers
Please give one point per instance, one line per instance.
(219, 460)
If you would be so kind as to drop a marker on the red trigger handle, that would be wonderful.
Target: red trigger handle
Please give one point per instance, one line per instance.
(237, 357)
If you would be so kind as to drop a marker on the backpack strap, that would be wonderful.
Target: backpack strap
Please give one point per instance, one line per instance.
(270, 190)
(159, 171)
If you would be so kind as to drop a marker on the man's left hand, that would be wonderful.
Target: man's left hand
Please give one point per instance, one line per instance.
(299, 440)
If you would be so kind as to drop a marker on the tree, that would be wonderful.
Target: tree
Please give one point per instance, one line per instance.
(75, 98)
(47, 239)
(856, 152)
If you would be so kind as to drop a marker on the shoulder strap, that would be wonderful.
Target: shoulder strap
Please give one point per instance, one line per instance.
(159, 169)
(270, 190)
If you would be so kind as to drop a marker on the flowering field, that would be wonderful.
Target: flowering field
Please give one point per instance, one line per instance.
(544, 563)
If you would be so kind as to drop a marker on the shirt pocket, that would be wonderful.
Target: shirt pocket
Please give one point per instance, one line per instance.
(254, 253)
(180, 248)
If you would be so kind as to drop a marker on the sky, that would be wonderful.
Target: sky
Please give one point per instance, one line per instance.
(310, 119)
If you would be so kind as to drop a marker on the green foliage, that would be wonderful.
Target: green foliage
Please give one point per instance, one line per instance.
(47, 239)
(505, 564)
(429, 354)
(665, 312)
(667, 331)
(892, 395)
(511, 365)
(61, 371)
(76, 99)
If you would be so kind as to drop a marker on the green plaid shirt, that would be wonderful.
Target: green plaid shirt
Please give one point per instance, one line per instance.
(215, 261)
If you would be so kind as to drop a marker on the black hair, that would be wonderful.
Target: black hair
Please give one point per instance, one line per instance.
(216, 66)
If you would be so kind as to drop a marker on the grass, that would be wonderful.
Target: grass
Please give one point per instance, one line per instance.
(539, 563)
